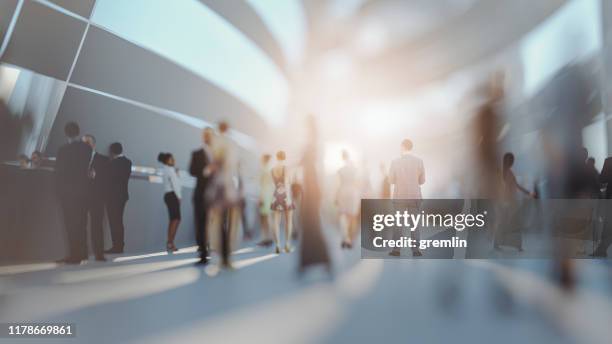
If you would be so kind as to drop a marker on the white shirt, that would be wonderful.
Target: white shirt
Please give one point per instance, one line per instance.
(172, 183)
(407, 174)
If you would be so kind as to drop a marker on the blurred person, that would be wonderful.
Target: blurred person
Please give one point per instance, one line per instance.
(36, 160)
(385, 188)
(223, 194)
(605, 178)
(266, 190)
(282, 203)
(483, 180)
(172, 197)
(296, 199)
(246, 230)
(313, 249)
(347, 200)
(593, 176)
(13, 128)
(200, 167)
(72, 172)
(407, 174)
(510, 188)
(96, 196)
(119, 172)
(24, 161)
(606, 210)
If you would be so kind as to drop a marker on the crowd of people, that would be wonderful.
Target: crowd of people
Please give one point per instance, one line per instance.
(90, 184)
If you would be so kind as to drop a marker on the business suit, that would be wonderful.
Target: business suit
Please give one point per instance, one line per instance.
(119, 171)
(72, 166)
(199, 161)
(98, 184)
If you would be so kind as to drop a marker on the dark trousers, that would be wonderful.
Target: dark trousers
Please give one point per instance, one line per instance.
(200, 212)
(225, 236)
(96, 229)
(115, 209)
(74, 210)
(606, 235)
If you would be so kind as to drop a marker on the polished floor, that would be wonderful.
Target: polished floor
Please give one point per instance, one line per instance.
(160, 298)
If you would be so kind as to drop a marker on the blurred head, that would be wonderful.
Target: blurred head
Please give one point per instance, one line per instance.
(591, 162)
(508, 160)
(406, 145)
(72, 130)
(345, 155)
(90, 140)
(207, 135)
(23, 160)
(116, 149)
(36, 158)
(584, 154)
(265, 159)
(223, 127)
(280, 155)
(166, 158)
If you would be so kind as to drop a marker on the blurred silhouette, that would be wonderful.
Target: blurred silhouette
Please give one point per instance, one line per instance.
(593, 177)
(12, 130)
(264, 204)
(296, 199)
(172, 197)
(407, 174)
(282, 203)
(96, 196)
(246, 230)
(36, 160)
(606, 210)
(506, 232)
(200, 167)
(223, 194)
(23, 160)
(347, 200)
(119, 171)
(72, 170)
(313, 250)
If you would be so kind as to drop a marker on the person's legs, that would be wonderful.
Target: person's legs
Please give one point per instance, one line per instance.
(276, 218)
(344, 229)
(96, 214)
(115, 218)
(199, 216)
(414, 208)
(67, 212)
(77, 227)
(288, 229)
(264, 224)
(225, 236)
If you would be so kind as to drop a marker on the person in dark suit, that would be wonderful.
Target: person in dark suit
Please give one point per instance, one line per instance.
(72, 167)
(96, 196)
(119, 171)
(200, 167)
(605, 209)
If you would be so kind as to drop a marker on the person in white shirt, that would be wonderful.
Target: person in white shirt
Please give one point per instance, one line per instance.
(172, 196)
(407, 174)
